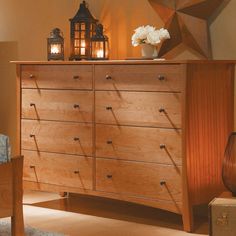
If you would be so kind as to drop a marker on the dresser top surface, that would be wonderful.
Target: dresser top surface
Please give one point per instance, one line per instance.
(124, 62)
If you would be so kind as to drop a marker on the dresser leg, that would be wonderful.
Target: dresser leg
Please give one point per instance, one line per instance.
(187, 219)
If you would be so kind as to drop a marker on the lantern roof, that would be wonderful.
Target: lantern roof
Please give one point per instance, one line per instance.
(83, 14)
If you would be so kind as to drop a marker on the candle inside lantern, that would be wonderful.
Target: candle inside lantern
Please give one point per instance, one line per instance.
(55, 48)
(82, 49)
(99, 53)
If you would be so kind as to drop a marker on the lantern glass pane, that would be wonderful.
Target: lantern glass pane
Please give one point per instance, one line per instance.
(76, 35)
(97, 49)
(106, 49)
(82, 34)
(55, 48)
(82, 26)
(77, 26)
(77, 51)
(77, 43)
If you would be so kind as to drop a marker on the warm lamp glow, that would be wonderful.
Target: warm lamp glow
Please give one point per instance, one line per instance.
(99, 53)
(55, 48)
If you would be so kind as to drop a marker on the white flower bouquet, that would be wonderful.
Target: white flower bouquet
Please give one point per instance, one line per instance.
(149, 35)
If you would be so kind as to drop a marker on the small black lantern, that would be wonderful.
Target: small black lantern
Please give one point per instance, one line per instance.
(55, 44)
(99, 45)
(82, 28)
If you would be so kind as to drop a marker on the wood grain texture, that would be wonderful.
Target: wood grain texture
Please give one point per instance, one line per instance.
(139, 144)
(209, 121)
(6, 190)
(60, 105)
(59, 169)
(60, 137)
(137, 108)
(138, 179)
(138, 78)
(11, 194)
(56, 77)
(17, 219)
(162, 204)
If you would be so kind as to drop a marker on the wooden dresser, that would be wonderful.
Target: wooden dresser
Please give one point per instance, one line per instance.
(148, 132)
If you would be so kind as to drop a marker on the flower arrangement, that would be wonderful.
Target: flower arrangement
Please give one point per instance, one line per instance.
(149, 35)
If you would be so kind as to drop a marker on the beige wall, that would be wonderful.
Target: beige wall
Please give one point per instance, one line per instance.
(28, 23)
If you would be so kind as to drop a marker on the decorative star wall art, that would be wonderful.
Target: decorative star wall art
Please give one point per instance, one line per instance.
(188, 23)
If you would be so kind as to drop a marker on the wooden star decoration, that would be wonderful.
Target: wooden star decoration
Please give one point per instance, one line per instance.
(187, 22)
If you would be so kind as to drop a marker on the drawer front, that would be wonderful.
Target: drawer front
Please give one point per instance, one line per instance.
(139, 77)
(60, 137)
(64, 105)
(138, 108)
(57, 76)
(58, 169)
(138, 179)
(139, 144)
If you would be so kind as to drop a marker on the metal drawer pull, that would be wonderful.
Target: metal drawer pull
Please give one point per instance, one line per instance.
(161, 109)
(32, 104)
(32, 136)
(162, 182)
(108, 77)
(108, 108)
(109, 142)
(76, 106)
(32, 76)
(76, 139)
(162, 146)
(32, 167)
(76, 172)
(109, 176)
(161, 77)
(75, 77)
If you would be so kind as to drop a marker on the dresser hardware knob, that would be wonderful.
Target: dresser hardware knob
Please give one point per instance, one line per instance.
(32, 76)
(109, 142)
(161, 109)
(108, 77)
(32, 167)
(109, 176)
(32, 104)
(76, 172)
(75, 77)
(162, 146)
(76, 106)
(109, 108)
(76, 139)
(161, 77)
(162, 182)
(32, 136)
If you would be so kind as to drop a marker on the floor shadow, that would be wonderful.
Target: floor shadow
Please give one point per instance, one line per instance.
(120, 210)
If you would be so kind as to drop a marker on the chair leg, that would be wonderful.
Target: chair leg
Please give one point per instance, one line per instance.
(17, 220)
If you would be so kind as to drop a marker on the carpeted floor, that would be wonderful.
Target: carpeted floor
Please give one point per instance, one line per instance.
(5, 230)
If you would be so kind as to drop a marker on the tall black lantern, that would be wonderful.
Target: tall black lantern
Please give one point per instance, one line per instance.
(99, 45)
(55, 45)
(82, 28)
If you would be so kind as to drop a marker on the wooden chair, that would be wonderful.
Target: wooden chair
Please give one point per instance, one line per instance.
(11, 194)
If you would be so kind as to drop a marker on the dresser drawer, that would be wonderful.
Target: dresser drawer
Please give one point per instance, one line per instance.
(60, 137)
(57, 76)
(139, 77)
(58, 169)
(139, 144)
(138, 179)
(138, 108)
(64, 105)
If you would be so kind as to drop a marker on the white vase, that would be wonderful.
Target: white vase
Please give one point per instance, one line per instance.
(148, 51)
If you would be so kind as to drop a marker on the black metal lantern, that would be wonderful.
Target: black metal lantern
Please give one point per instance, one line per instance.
(99, 45)
(55, 44)
(82, 29)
